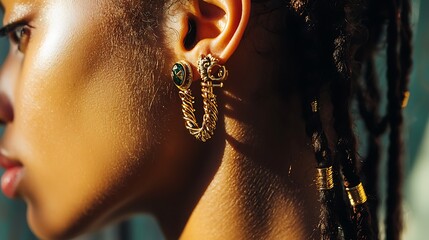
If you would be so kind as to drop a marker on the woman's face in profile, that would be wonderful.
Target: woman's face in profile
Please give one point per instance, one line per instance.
(88, 116)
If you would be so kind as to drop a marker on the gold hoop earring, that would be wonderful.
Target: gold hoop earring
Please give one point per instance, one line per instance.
(212, 75)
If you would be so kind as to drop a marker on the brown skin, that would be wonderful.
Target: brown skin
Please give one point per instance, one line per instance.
(97, 125)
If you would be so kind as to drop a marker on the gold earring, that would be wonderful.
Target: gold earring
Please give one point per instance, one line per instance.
(212, 75)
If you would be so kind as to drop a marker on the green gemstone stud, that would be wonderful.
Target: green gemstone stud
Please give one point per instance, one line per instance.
(181, 74)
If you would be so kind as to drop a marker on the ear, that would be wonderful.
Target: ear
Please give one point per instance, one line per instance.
(209, 26)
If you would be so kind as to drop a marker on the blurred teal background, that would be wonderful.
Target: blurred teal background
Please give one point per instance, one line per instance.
(12, 213)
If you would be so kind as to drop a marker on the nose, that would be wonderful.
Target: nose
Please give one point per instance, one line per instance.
(6, 111)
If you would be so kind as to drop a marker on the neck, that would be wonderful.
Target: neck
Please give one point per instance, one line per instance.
(263, 188)
(255, 178)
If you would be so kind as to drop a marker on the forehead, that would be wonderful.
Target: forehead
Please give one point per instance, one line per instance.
(8, 5)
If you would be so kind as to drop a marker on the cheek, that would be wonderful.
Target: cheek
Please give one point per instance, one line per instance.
(83, 128)
(77, 135)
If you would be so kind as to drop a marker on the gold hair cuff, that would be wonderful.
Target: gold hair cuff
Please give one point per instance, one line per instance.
(325, 178)
(314, 106)
(406, 99)
(357, 195)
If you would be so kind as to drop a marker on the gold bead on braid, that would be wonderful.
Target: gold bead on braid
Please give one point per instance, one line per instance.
(357, 195)
(406, 99)
(314, 106)
(325, 179)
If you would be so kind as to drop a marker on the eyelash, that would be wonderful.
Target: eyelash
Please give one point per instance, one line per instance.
(17, 32)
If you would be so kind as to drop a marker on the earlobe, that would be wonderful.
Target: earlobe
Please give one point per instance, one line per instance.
(211, 27)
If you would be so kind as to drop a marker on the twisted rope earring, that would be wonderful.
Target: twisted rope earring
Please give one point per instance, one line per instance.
(212, 75)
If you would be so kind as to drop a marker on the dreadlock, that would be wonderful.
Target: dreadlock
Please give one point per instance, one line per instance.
(311, 87)
(341, 89)
(349, 34)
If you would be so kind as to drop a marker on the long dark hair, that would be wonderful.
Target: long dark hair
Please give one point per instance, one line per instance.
(338, 44)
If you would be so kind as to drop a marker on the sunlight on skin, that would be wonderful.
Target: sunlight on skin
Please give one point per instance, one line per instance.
(68, 93)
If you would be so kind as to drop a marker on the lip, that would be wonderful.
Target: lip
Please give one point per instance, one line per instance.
(11, 177)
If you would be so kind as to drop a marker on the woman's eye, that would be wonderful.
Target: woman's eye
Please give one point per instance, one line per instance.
(20, 35)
